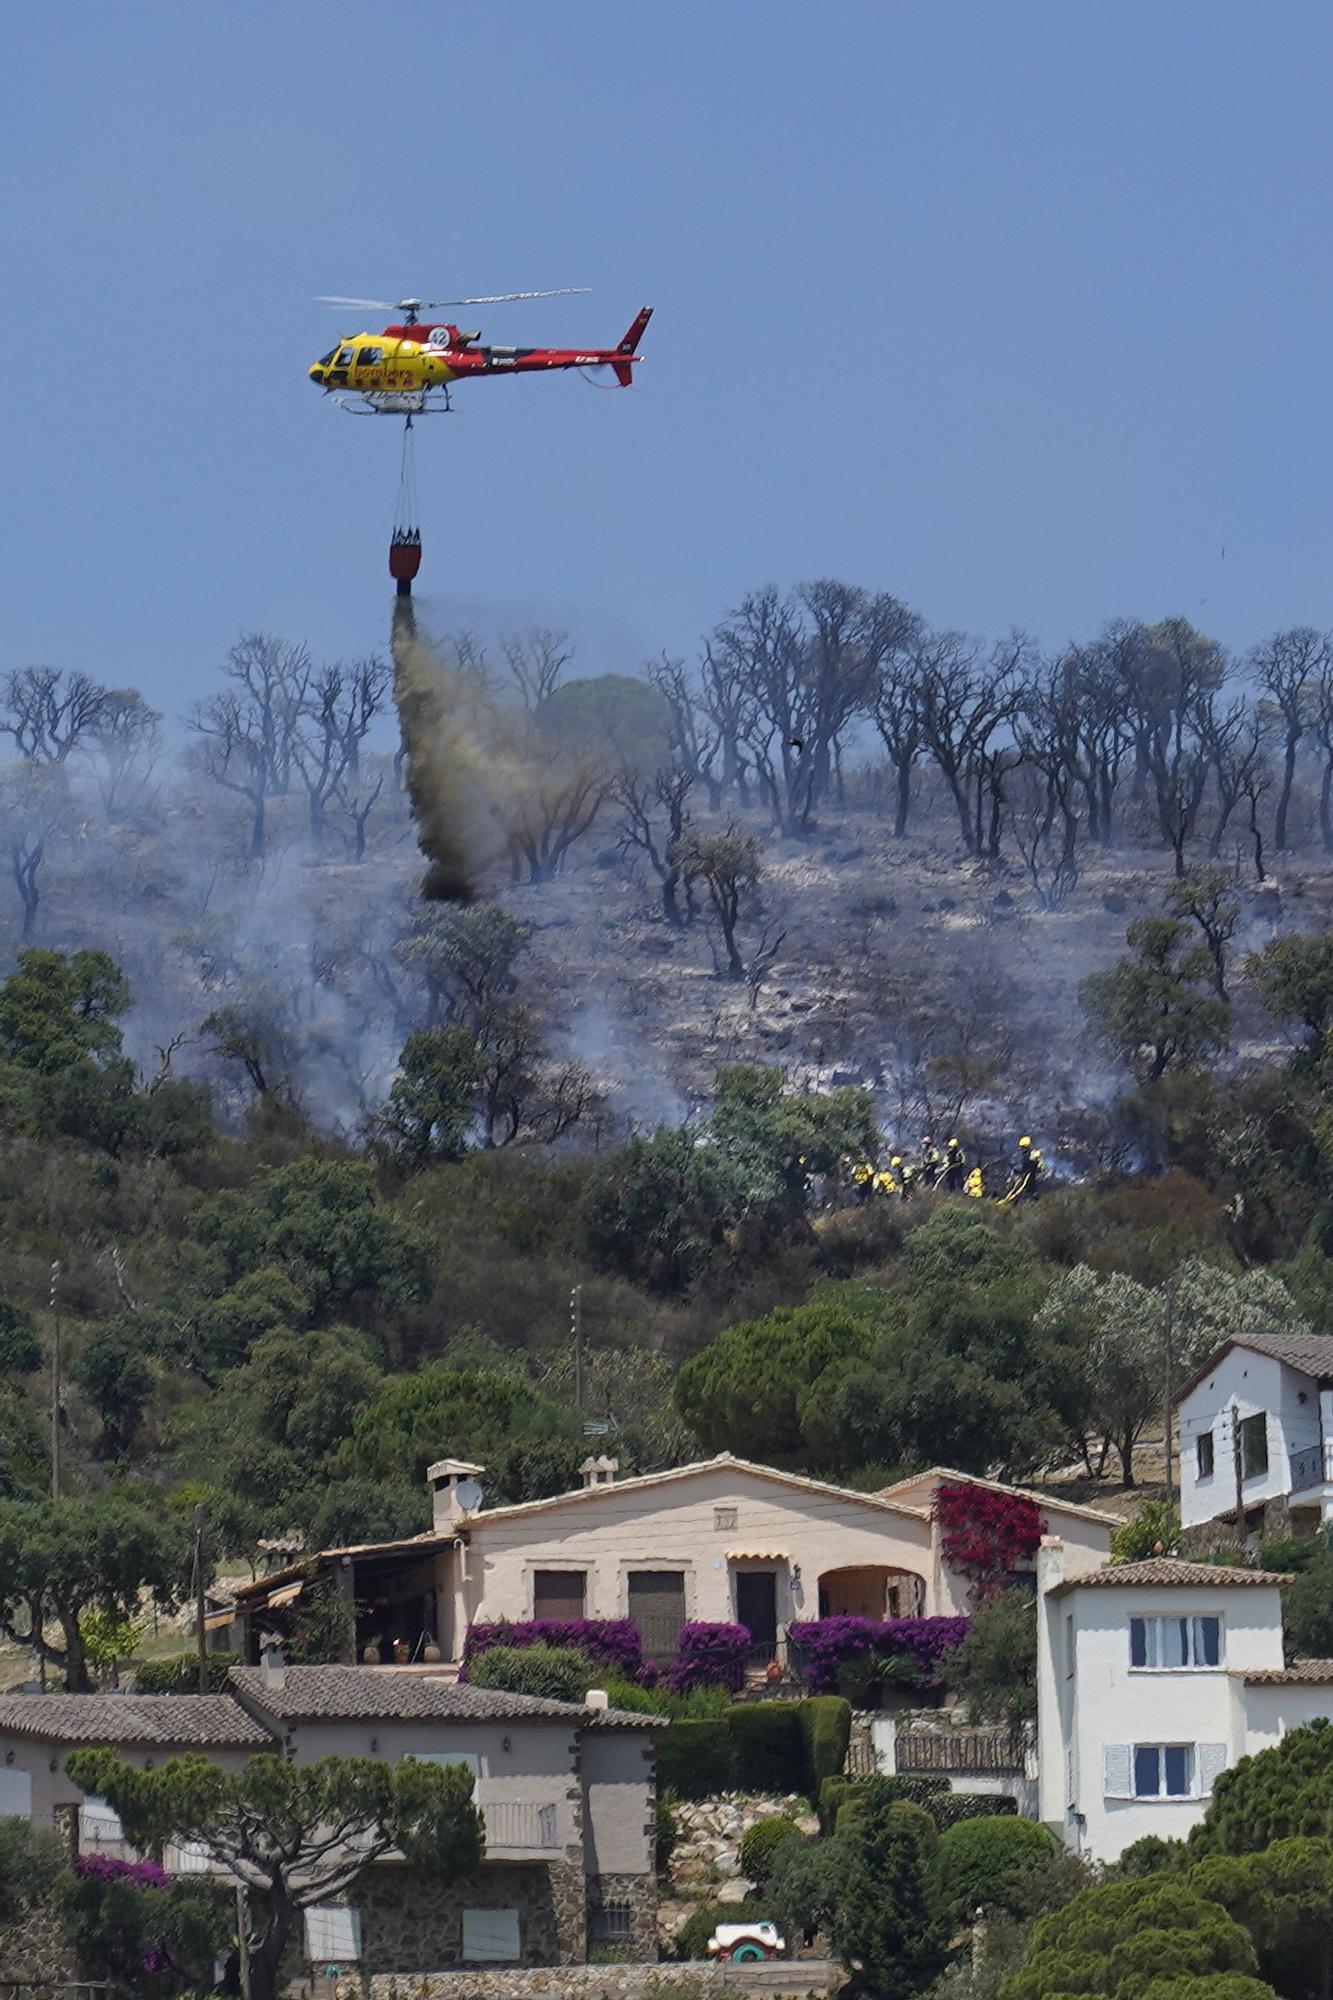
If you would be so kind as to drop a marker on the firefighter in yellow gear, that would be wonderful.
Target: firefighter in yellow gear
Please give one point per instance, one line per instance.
(931, 1160)
(884, 1183)
(954, 1171)
(909, 1175)
(974, 1184)
(863, 1179)
(1029, 1166)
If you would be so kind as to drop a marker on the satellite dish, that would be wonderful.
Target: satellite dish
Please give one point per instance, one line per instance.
(469, 1495)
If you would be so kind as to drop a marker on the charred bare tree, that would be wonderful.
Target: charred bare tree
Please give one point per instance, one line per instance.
(1179, 725)
(1207, 897)
(338, 709)
(250, 734)
(357, 803)
(695, 740)
(896, 706)
(49, 713)
(34, 805)
(965, 706)
(655, 815)
(126, 744)
(1291, 667)
(536, 661)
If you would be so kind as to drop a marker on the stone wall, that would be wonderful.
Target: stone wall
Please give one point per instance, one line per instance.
(596, 1982)
(634, 1897)
(408, 1921)
(35, 1950)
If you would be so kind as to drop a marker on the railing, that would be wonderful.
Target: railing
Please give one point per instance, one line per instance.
(1312, 1465)
(958, 1750)
(514, 1825)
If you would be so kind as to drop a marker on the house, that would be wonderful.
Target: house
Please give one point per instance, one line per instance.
(1152, 1679)
(1087, 1530)
(723, 1539)
(1256, 1426)
(566, 1791)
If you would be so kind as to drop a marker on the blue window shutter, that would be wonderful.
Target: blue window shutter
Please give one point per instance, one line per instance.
(1117, 1771)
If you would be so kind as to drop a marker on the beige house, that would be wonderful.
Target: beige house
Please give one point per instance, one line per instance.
(720, 1540)
(1085, 1531)
(566, 1792)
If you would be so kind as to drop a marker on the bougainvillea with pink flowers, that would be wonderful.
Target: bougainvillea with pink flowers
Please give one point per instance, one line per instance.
(709, 1656)
(828, 1645)
(986, 1535)
(611, 1642)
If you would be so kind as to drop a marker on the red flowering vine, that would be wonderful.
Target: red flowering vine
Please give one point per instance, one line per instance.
(985, 1535)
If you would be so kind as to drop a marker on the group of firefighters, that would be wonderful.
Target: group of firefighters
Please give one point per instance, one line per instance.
(947, 1168)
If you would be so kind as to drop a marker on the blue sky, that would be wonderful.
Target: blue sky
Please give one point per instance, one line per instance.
(1018, 308)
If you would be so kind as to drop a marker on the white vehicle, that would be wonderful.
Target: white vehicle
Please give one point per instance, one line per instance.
(742, 1944)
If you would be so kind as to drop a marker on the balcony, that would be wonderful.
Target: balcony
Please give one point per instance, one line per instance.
(1312, 1465)
(513, 1826)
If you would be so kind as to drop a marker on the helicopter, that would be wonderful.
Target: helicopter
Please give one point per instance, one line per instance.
(407, 370)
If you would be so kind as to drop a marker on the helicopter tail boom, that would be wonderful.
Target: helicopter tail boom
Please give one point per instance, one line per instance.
(624, 370)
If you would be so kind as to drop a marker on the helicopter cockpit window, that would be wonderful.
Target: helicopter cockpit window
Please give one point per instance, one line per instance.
(371, 357)
(346, 356)
(325, 359)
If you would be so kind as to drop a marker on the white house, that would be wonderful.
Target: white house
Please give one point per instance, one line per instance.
(1152, 1678)
(1256, 1424)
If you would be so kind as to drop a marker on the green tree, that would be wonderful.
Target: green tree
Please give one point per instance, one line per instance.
(321, 1222)
(729, 865)
(1284, 1897)
(20, 1348)
(1155, 1010)
(57, 1012)
(530, 1445)
(805, 1883)
(141, 1934)
(115, 1374)
(777, 1138)
(889, 1927)
(1207, 896)
(656, 1210)
(1307, 1611)
(296, 1835)
(1118, 1938)
(1274, 1795)
(30, 1860)
(62, 1559)
(982, 1863)
(751, 1381)
(995, 1668)
(433, 1098)
(1154, 1529)
(1293, 976)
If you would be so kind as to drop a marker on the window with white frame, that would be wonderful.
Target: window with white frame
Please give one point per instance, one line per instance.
(1175, 1643)
(15, 1794)
(332, 1934)
(1161, 1770)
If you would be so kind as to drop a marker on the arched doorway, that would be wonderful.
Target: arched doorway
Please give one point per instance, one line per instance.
(871, 1590)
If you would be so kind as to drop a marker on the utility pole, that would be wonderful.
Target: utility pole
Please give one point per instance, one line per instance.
(576, 1328)
(53, 1300)
(201, 1638)
(1168, 1354)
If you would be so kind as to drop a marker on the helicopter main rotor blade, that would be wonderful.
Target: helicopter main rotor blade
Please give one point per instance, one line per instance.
(375, 305)
(504, 298)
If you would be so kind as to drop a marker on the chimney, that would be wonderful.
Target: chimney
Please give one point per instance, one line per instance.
(1050, 1563)
(598, 1472)
(598, 1699)
(272, 1665)
(455, 1493)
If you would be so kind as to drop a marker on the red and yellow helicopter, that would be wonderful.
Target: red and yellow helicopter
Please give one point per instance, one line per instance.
(407, 370)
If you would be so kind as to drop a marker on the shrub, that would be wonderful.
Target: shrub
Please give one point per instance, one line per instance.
(691, 1940)
(558, 1673)
(1154, 1521)
(697, 1759)
(770, 1746)
(981, 1862)
(826, 1730)
(951, 1808)
(760, 1845)
(30, 1860)
(613, 1643)
(701, 1704)
(921, 1788)
(180, 1674)
(709, 1656)
(829, 1645)
(666, 1831)
(984, 1535)
(995, 1668)
(924, 1822)
(131, 1925)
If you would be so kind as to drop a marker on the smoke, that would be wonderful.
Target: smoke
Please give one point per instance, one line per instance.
(444, 767)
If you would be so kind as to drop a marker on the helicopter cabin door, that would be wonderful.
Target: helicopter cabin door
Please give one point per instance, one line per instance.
(369, 366)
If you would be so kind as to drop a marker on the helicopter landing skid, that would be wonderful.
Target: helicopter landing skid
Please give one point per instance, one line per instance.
(422, 403)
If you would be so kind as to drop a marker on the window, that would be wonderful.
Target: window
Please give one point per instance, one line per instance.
(332, 1934)
(559, 1593)
(1253, 1433)
(1069, 1649)
(1203, 1454)
(15, 1794)
(491, 1936)
(100, 1830)
(371, 357)
(724, 1519)
(468, 1757)
(1163, 1770)
(611, 1922)
(1175, 1642)
(346, 356)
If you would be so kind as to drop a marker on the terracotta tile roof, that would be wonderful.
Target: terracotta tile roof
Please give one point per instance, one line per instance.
(172, 1720)
(1305, 1673)
(1311, 1353)
(1166, 1572)
(385, 1694)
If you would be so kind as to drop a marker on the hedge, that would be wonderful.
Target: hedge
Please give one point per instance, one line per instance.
(770, 1746)
(697, 1759)
(555, 1673)
(826, 1729)
(919, 1788)
(180, 1675)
